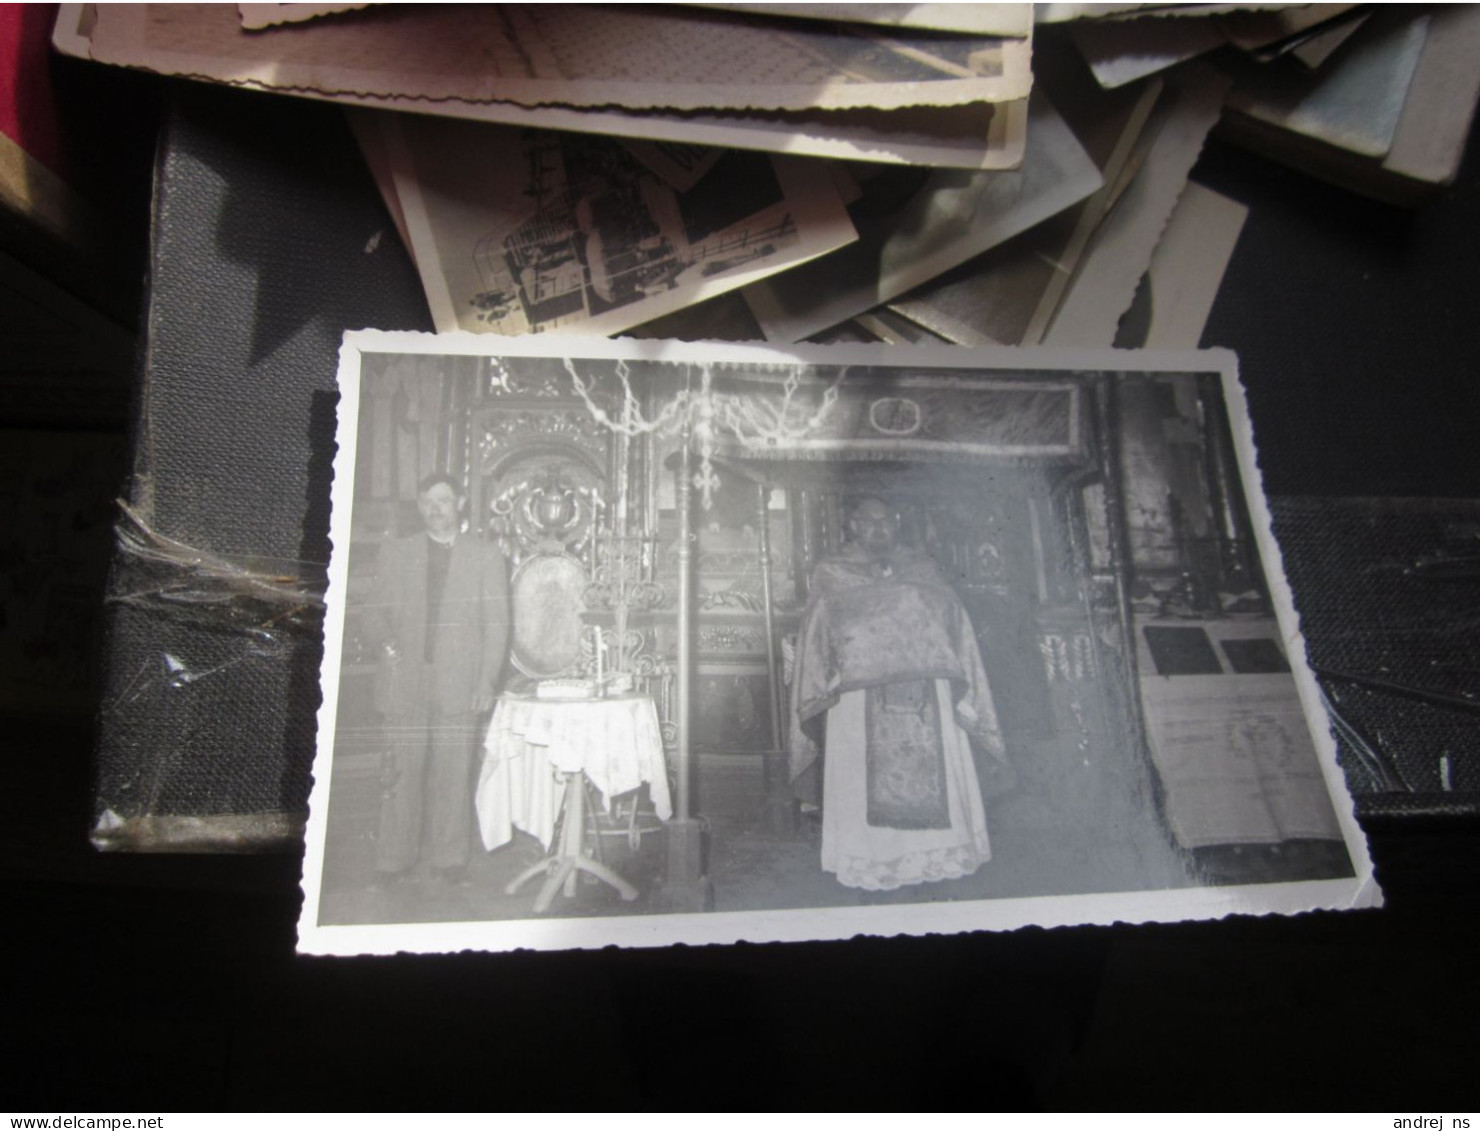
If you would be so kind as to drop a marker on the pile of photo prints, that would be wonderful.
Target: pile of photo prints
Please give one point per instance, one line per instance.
(813, 516)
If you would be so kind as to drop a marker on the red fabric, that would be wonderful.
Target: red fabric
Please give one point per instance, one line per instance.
(28, 109)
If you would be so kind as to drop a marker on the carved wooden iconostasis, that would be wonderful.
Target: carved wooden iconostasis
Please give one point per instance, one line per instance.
(1005, 485)
(1070, 514)
(539, 474)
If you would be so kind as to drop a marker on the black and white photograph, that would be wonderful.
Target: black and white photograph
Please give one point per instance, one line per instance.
(580, 55)
(651, 642)
(913, 224)
(527, 231)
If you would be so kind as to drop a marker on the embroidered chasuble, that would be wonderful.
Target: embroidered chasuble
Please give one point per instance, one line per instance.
(888, 687)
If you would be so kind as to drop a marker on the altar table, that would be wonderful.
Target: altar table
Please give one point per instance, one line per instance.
(533, 744)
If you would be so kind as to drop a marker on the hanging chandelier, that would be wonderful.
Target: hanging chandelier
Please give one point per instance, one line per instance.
(707, 416)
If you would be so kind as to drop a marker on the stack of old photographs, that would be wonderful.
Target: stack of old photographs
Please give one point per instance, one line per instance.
(591, 168)
(1378, 99)
(969, 173)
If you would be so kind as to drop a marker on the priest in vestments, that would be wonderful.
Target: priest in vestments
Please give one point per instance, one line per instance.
(889, 692)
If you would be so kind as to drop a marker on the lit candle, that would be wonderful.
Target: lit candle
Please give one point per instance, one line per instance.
(596, 628)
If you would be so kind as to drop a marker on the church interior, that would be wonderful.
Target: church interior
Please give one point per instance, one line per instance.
(1093, 526)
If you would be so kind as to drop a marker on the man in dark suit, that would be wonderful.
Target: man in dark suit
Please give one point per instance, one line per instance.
(439, 612)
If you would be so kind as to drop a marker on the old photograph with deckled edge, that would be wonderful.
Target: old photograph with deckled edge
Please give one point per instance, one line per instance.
(982, 135)
(970, 19)
(255, 17)
(640, 643)
(526, 231)
(915, 224)
(636, 56)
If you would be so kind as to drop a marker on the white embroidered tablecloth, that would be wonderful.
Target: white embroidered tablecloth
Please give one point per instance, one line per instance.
(617, 743)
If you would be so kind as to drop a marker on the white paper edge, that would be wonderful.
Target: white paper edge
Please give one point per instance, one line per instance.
(781, 137)
(1189, 263)
(66, 36)
(1001, 148)
(122, 44)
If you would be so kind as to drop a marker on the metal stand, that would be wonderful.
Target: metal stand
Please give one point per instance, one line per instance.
(703, 415)
(685, 887)
(781, 805)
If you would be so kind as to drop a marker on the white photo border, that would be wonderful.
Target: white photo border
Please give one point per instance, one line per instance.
(654, 930)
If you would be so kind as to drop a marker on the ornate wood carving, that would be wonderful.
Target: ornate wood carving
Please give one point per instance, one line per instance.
(504, 432)
(546, 504)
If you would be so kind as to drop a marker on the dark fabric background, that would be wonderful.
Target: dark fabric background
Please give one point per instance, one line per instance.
(1357, 331)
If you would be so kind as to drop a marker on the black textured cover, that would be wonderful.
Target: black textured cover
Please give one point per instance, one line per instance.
(269, 240)
(1388, 592)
